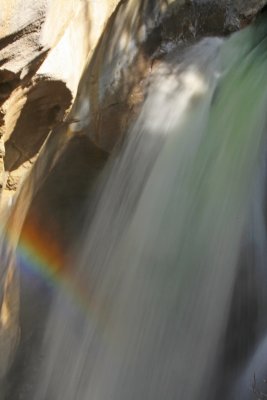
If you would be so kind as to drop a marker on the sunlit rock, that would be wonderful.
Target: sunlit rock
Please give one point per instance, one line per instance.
(103, 51)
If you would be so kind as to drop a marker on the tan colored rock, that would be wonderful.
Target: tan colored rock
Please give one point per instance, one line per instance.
(76, 33)
(62, 37)
(32, 111)
(9, 317)
(118, 42)
(137, 34)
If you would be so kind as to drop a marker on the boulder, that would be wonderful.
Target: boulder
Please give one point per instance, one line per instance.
(101, 55)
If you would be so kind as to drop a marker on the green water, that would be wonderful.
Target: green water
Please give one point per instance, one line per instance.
(162, 252)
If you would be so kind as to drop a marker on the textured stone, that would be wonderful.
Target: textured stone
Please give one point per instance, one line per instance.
(137, 34)
(120, 41)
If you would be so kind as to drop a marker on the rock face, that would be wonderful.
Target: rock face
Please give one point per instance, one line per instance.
(62, 198)
(97, 56)
(119, 40)
(136, 36)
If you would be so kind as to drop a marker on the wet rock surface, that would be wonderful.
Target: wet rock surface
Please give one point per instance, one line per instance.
(38, 83)
(62, 198)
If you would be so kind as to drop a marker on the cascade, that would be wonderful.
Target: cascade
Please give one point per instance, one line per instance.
(160, 275)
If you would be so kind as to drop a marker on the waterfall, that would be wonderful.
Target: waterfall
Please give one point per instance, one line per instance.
(146, 313)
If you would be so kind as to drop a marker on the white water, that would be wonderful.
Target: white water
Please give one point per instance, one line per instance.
(161, 257)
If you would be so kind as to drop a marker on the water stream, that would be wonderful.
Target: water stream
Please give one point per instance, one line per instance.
(151, 311)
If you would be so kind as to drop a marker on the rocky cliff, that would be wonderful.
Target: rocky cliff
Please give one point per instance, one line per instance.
(73, 75)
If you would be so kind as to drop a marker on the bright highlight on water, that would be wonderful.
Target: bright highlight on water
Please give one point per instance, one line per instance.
(162, 256)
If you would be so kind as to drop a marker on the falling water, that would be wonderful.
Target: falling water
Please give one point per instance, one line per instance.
(161, 256)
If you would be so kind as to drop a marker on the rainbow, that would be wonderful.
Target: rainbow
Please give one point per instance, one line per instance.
(39, 254)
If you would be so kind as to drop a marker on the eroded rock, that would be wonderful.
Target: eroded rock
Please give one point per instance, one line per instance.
(136, 36)
(121, 41)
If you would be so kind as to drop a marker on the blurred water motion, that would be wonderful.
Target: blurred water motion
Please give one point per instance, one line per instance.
(161, 257)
